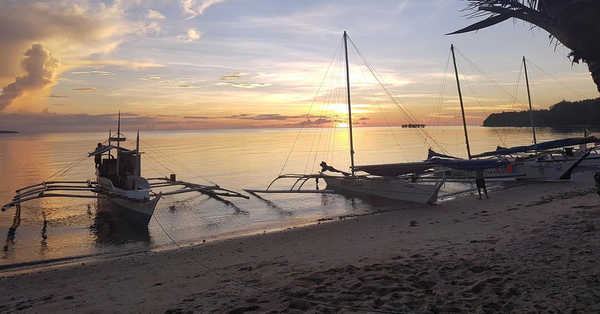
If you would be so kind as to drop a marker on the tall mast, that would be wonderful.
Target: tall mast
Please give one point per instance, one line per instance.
(349, 104)
(118, 140)
(529, 98)
(462, 108)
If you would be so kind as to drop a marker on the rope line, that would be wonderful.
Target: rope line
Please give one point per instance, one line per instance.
(309, 110)
(404, 110)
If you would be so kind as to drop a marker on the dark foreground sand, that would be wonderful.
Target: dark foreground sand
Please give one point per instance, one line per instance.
(530, 249)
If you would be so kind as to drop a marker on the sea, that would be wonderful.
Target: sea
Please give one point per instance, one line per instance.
(61, 229)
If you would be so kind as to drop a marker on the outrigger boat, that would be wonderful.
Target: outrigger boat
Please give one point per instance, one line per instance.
(545, 164)
(549, 153)
(353, 184)
(119, 180)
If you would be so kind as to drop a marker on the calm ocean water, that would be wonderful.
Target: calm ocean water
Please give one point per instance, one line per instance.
(234, 159)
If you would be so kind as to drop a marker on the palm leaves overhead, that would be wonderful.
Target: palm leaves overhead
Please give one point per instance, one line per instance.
(574, 23)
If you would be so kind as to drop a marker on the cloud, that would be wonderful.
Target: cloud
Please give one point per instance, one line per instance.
(155, 15)
(244, 85)
(257, 117)
(271, 116)
(231, 80)
(57, 96)
(191, 35)
(53, 122)
(309, 122)
(233, 76)
(40, 68)
(131, 64)
(239, 116)
(70, 29)
(198, 117)
(85, 89)
(195, 8)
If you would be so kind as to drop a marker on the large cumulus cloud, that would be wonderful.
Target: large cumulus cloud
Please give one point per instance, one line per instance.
(40, 68)
(71, 29)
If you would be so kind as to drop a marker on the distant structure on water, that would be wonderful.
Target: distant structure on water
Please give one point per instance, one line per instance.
(413, 126)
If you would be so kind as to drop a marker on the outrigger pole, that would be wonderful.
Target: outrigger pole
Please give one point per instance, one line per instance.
(349, 104)
(529, 98)
(462, 108)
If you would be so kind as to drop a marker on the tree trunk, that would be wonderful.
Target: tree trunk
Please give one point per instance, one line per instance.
(594, 66)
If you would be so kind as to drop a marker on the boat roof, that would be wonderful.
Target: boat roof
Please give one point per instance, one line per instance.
(106, 148)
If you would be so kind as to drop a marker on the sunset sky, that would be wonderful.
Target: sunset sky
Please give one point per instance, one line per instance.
(198, 64)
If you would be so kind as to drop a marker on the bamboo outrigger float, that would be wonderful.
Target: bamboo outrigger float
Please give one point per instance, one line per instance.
(119, 180)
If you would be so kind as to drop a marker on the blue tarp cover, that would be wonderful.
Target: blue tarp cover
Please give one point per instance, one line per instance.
(464, 164)
(540, 146)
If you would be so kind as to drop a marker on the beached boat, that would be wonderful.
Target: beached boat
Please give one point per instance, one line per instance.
(119, 180)
(546, 161)
(352, 184)
(550, 160)
(544, 164)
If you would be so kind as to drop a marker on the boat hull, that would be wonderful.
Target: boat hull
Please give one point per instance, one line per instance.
(136, 212)
(136, 206)
(389, 188)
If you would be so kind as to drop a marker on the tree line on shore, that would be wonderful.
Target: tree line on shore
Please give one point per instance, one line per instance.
(564, 114)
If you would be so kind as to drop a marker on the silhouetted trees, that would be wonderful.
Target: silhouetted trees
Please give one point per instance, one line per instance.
(561, 115)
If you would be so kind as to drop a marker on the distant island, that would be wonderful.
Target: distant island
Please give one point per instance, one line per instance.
(565, 114)
(8, 132)
(413, 126)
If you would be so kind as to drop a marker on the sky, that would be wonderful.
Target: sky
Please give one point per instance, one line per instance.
(203, 64)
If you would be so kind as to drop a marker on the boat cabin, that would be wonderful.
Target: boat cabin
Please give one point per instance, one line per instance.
(123, 170)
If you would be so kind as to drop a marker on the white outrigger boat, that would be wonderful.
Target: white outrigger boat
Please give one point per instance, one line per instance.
(546, 161)
(352, 184)
(550, 160)
(119, 180)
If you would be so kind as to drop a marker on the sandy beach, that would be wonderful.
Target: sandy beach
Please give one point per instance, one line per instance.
(529, 248)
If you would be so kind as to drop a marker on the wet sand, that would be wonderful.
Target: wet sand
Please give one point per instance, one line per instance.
(530, 248)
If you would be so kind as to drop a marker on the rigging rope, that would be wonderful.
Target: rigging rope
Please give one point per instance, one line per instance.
(64, 170)
(573, 91)
(404, 110)
(166, 158)
(309, 110)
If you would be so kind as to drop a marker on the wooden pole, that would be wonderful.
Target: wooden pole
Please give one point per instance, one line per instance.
(349, 104)
(529, 98)
(462, 108)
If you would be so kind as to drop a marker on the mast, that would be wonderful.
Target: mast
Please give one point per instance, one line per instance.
(138, 158)
(529, 98)
(349, 104)
(462, 108)
(118, 140)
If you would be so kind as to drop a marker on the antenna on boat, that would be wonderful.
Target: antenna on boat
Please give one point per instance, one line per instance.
(462, 108)
(349, 104)
(529, 98)
(137, 142)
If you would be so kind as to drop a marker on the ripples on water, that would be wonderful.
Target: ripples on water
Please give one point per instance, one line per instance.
(56, 228)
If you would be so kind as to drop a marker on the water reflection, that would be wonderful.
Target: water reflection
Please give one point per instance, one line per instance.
(111, 228)
(236, 159)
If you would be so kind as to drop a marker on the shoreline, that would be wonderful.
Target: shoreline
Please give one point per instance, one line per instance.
(404, 260)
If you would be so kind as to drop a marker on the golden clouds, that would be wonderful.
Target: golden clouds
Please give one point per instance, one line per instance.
(40, 68)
